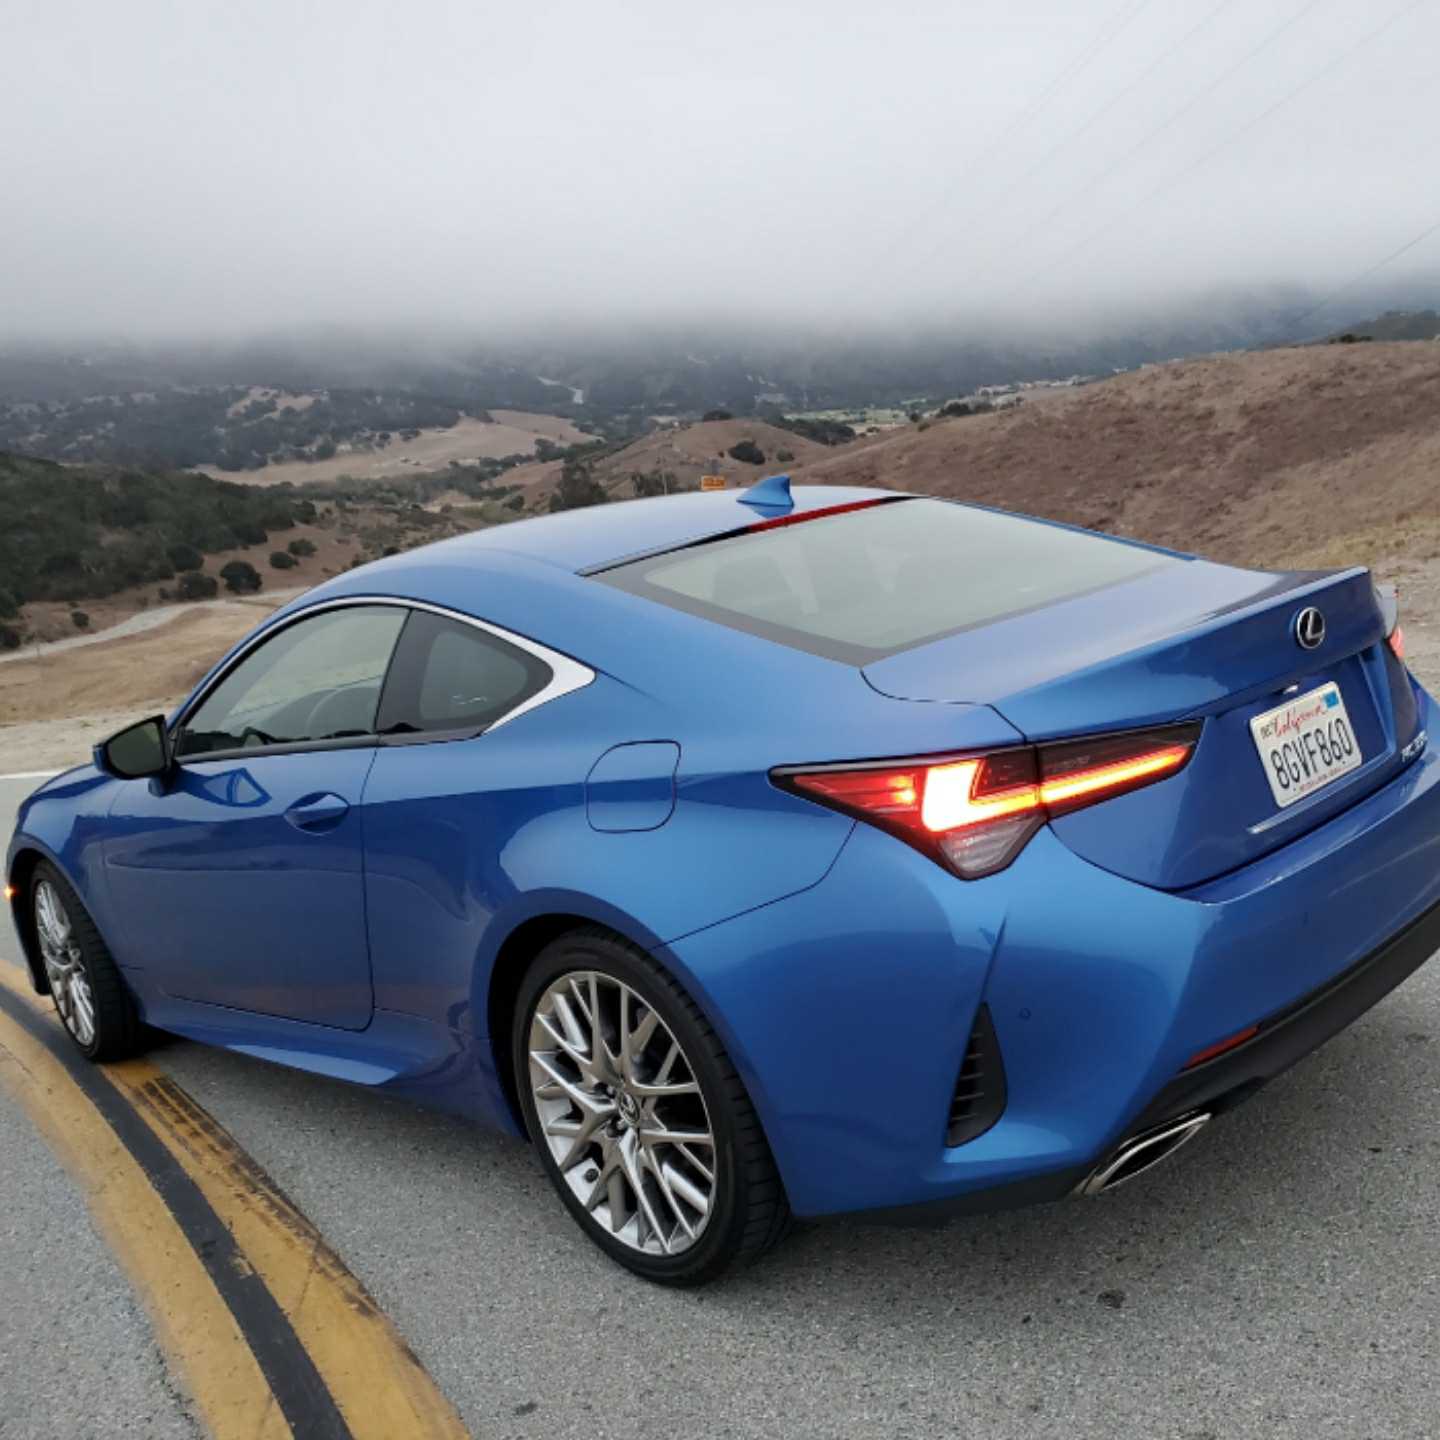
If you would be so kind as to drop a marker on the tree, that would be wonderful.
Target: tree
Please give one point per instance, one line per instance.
(9, 605)
(79, 619)
(184, 557)
(247, 532)
(577, 488)
(747, 451)
(240, 577)
(648, 485)
(9, 638)
(282, 560)
(301, 547)
(196, 585)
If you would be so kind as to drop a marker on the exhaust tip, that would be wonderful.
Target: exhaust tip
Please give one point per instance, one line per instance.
(1141, 1153)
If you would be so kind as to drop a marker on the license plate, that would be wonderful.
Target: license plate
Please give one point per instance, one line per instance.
(1306, 743)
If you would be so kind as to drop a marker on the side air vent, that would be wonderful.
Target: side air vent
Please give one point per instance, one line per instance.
(979, 1098)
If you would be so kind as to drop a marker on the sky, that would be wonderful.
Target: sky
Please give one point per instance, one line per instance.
(181, 168)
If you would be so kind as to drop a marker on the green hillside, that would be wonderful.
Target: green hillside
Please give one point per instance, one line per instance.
(82, 532)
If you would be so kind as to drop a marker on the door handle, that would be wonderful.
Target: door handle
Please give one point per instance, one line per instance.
(317, 812)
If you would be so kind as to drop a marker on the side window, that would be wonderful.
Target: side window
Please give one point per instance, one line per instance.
(318, 679)
(449, 676)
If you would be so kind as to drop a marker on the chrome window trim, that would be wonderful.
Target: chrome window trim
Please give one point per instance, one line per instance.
(566, 674)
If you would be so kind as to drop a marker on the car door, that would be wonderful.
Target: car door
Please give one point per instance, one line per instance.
(240, 879)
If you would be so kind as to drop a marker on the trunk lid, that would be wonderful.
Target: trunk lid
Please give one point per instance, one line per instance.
(1194, 641)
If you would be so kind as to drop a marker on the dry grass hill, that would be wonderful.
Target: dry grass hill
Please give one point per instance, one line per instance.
(1314, 456)
(686, 452)
(1322, 456)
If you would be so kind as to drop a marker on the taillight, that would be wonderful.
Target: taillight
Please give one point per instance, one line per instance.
(1388, 598)
(975, 813)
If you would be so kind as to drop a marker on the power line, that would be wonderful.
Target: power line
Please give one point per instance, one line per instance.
(1072, 136)
(1186, 109)
(1169, 184)
(1107, 32)
(1364, 275)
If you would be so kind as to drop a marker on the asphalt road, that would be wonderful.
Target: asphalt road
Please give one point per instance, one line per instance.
(1280, 1277)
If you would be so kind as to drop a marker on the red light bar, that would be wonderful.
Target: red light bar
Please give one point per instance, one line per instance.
(777, 521)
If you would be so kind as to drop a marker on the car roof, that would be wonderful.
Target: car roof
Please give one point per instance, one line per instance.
(601, 535)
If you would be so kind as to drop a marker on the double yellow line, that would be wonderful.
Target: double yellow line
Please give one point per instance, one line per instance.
(270, 1332)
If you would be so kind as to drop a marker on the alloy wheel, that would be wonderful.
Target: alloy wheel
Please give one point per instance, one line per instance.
(622, 1113)
(64, 964)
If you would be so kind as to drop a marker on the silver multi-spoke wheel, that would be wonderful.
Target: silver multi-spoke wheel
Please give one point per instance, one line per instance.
(64, 964)
(622, 1113)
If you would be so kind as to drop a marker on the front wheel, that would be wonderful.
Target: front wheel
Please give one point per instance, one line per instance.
(640, 1119)
(91, 997)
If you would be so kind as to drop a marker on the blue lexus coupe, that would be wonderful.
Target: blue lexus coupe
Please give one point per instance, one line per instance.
(765, 853)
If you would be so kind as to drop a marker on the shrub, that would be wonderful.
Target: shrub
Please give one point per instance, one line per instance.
(717, 415)
(577, 488)
(747, 451)
(282, 560)
(823, 432)
(9, 638)
(515, 502)
(784, 456)
(240, 577)
(184, 557)
(9, 605)
(247, 532)
(196, 585)
(79, 619)
(301, 547)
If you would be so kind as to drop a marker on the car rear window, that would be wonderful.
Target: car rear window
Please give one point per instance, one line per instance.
(872, 582)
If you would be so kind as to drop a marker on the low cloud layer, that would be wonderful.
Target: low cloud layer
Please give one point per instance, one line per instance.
(185, 168)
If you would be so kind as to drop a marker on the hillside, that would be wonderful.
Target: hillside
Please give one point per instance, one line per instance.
(102, 542)
(683, 453)
(1394, 325)
(1316, 455)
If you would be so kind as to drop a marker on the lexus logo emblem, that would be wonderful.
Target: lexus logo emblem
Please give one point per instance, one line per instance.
(1309, 628)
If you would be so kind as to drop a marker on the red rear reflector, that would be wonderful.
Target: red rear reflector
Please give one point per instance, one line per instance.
(1211, 1051)
(976, 814)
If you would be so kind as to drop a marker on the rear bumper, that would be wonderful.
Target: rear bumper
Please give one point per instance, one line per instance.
(1230, 1079)
(847, 1008)
(1283, 1039)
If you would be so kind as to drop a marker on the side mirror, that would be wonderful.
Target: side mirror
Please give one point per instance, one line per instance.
(138, 751)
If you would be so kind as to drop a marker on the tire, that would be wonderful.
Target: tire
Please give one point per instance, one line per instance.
(583, 1145)
(91, 998)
